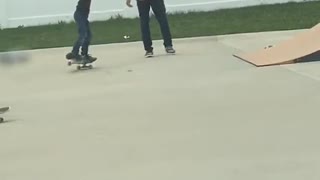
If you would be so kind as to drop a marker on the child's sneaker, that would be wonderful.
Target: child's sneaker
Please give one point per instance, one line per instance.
(170, 50)
(89, 58)
(149, 54)
(73, 56)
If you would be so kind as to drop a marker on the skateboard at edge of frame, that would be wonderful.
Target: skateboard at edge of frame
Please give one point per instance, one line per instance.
(2, 111)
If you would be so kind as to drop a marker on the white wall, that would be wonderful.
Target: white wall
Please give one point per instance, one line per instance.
(37, 12)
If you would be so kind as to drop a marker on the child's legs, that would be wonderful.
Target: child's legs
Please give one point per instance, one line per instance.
(144, 9)
(159, 9)
(87, 39)
(82, 24)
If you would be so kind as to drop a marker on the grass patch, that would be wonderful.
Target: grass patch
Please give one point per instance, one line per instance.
(287, 16)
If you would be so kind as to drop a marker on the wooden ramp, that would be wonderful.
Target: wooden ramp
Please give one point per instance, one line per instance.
(290, 51)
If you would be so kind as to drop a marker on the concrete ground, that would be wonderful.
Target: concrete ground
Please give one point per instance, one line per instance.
(201, 114)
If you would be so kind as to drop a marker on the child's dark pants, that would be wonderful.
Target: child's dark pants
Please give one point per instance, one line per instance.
(84, 33)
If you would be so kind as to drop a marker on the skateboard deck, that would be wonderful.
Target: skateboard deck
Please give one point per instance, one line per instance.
(2, 111)
(82, 64)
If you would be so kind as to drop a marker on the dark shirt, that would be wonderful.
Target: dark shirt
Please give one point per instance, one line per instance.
(84, 6)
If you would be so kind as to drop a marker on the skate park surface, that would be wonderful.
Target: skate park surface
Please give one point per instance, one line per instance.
(199, 114)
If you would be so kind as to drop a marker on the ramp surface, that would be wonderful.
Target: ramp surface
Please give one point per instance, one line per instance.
(289, 51)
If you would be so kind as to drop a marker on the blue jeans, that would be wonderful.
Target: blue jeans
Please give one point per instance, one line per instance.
(84, 31)
(159, 10)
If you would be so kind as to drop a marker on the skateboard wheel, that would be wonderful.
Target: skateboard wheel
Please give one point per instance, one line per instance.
(69, 63)
(78, 67)
(90, 66)
(1, 120)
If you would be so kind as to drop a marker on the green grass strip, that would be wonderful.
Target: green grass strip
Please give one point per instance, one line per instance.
(288, 16)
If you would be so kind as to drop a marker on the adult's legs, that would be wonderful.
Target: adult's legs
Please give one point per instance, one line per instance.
(144, 10)
(159, 9)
